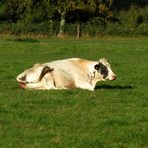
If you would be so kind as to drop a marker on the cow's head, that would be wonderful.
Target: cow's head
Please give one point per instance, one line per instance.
(104, 70)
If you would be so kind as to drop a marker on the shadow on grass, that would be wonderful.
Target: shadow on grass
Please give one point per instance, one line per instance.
(26, 40)
(104, 86)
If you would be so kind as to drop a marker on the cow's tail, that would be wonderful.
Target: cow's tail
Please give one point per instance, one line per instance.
(44, 71)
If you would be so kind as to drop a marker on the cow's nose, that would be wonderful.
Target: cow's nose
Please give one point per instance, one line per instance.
(113, 77)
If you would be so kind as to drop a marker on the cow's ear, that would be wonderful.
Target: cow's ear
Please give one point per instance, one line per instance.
(97, 66)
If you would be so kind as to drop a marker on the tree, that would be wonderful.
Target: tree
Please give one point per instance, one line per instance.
(62, 7)
(12, 10)
(34, 10)
(79, 11)
(75, 11)
(84, 10)
(125, 4)
(27, 10)
(2, 10)
(76, 8)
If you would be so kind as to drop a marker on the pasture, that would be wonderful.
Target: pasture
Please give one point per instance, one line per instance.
(114, 115)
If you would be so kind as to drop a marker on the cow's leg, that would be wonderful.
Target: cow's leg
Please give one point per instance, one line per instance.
(84, 85)
(62, 79)
(45, 83)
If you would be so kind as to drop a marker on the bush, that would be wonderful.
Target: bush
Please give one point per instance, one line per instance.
(44, 28)
(142, 29)
(117, 30)
(133, 22)
(93, 27)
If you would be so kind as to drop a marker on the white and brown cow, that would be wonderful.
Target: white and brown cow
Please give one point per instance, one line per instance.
(65, 74)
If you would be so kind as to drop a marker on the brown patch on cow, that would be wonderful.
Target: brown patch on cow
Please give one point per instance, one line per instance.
(71, 84)
(82, 62)
(45, 70)
(80, 65)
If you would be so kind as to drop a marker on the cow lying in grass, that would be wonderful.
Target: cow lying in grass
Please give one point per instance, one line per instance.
(65, 74)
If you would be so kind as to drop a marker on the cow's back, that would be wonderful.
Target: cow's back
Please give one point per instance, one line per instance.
(73, 66)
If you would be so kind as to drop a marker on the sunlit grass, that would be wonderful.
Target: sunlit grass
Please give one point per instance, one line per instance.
(114, 115)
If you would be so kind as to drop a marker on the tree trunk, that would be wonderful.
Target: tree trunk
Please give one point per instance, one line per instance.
(62, 23)
(78, 24)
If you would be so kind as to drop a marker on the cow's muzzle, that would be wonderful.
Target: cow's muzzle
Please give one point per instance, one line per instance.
(22, 85)
(113, 78)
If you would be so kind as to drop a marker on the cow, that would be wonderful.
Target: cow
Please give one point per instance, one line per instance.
(66, 74)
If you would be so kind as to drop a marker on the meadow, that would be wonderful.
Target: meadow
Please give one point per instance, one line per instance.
(114, 115)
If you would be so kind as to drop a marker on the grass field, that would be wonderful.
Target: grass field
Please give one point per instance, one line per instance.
(114, 115)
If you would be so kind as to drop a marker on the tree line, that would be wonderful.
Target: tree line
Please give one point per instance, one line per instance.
(64, 11)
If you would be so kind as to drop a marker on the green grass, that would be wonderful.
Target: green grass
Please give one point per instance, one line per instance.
(114, 115)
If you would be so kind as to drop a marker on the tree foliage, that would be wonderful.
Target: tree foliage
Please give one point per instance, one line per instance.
(60, 12)
(74, 11)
